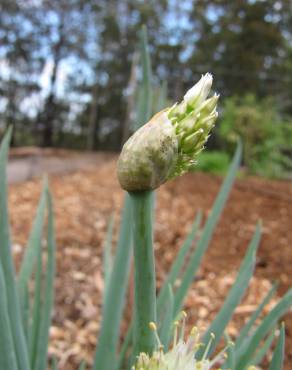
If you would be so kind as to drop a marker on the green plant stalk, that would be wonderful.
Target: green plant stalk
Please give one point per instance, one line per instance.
(145, 283)
(164, 291)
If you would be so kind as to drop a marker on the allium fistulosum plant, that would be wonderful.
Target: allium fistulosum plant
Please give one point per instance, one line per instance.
(165, 147)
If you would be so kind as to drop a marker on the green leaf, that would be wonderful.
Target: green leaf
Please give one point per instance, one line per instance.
(105, 356)
(230, 360)
(26, 314)
(260, 354)
(8, 269)
(107, 254)
(36, 313)
(166, 326)
(263, 329)
(124, 347)
(161, 101)
(235, 295)
(246, 329)
(207, 232)
(278, 356)
(48, 297)
(54, 363)
(33, 246)
(82, 366)
(145, 90)
(178, 264)
(7, 354)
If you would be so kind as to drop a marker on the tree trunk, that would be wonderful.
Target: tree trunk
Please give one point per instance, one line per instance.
(49, 107)
(93, 124)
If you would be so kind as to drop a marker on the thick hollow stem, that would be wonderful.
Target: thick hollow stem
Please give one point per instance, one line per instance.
(145, 290)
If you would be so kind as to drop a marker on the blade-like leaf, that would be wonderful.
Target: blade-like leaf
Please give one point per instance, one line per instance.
(161, 101)
(264, 328)
(54, 363)
(33, 245)
(257, 359)
(165, 330)
(8, 269)
(48, 297)
(82, 366)
(178, 264)
(278, 356)
(26, 314)
(125, 346)
(7, 354)
(235, 295)
(114, 300)
(36, 313)
(145, 91)
(246, 329)
(107, 254)
(207, 232)
(230, 358)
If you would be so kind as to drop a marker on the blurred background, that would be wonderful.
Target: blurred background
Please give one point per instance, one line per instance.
(70, 72)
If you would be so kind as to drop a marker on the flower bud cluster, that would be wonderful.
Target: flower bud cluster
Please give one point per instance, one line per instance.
(167, 146)
(193, 120)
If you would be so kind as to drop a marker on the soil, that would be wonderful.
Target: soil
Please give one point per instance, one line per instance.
(84, 200)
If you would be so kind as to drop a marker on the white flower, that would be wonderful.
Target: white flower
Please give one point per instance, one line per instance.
(182, 354)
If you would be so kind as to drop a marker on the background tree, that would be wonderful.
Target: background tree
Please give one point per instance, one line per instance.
(67, 66)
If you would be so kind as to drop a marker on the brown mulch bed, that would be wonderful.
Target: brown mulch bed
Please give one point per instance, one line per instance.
(84, 201)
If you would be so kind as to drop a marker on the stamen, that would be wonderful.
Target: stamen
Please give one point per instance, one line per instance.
(182, 332)
(223, 353)
(176, 324)
(205, 355)
(153, 327)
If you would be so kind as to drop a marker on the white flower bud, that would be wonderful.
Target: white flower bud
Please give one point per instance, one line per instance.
(199, 92)
(167, 146)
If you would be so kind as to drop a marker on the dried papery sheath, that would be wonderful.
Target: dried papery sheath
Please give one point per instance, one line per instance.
(167, 146)
(149, 155)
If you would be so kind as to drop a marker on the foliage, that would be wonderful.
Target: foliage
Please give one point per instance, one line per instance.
(266, 136)
(213, 161)
(25, 318)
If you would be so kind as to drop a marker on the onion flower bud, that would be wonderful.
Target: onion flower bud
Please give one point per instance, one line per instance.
(168, 145)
